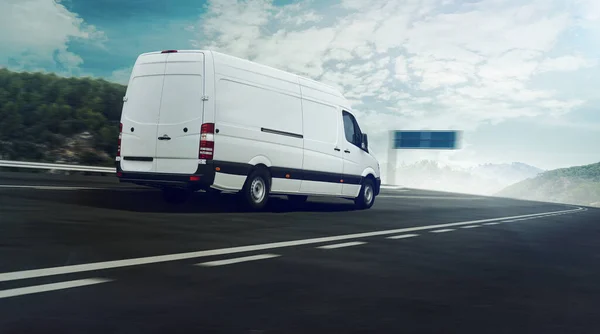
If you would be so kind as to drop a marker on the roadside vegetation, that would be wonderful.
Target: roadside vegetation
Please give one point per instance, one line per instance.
(47, 118)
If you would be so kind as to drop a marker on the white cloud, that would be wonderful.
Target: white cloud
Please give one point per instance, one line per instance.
(565, 63)
(401, 70)
(35, 34)
(121, 75)
(289, 50)
(419, 63)
(297, 14)
(589, 9)
(517, 64)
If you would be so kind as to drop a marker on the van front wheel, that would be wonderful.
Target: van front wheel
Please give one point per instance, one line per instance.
(366, 196)
(256, 190)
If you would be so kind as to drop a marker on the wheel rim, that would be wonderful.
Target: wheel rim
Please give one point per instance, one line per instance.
(257, 190)
(368, 194)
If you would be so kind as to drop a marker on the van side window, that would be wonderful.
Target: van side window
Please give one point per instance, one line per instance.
(351, 129)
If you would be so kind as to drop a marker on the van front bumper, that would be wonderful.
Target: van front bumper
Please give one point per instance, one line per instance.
(203, 178)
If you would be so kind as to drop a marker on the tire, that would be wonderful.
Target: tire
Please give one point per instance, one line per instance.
(255, 192)
(175, 196)
(297, 199)
(366, 196)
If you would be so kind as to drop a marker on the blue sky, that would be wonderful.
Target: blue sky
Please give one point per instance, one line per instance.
(518, 76)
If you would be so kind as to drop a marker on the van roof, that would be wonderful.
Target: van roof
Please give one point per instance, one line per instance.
(334, 91)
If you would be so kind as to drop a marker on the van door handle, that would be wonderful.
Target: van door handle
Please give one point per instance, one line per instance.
(337, 149)
(346, 151)
(164, 137)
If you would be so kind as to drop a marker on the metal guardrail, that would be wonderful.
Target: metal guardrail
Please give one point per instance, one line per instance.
(93, 169)
(67, 167)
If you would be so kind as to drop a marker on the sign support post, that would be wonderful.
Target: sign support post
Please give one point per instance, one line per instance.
(417, 140)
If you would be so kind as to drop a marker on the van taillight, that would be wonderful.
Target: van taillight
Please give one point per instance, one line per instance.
(207, 141)
(119, 142)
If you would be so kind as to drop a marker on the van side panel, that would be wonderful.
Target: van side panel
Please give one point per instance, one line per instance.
(181, 113)
(258, 113)
(321, 159)
(140, 113)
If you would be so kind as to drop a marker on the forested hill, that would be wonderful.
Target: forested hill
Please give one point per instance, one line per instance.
(48, 118)
(574, 185)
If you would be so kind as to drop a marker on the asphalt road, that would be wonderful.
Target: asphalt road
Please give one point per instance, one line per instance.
(87, 255)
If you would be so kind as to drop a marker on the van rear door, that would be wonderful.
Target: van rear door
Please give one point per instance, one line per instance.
(181, 114)
(140, 113)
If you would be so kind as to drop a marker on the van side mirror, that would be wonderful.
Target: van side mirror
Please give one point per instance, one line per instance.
(365, 142)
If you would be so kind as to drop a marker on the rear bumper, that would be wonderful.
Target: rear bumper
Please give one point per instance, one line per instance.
(377, 185)
(203, 178)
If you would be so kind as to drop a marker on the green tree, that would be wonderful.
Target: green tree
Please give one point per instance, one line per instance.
(42, 114)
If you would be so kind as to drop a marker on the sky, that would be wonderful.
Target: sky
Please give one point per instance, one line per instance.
(518, 77)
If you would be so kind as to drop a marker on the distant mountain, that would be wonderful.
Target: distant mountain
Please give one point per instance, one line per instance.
(506, 173)
(578, 185)
(485, 179)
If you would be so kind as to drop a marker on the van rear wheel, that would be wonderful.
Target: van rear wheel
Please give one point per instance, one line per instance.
(366, 196)
(255, 192)
(175, 195)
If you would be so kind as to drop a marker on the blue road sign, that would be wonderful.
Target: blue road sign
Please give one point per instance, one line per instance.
(436, 140)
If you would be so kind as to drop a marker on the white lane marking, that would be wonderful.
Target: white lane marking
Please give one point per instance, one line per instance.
(51, 287)
(345, 244)
(492, 223)
(15, 275)
(9, 186)
(443, 230)
(518, 220)
(237, 260)
(470, 226)
(403, 236)
(431, 197)
(391, 187)
(49, 187)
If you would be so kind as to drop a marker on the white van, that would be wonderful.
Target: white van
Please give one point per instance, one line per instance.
(199, 119)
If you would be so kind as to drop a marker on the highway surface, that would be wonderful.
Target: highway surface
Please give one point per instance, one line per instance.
(87, 255)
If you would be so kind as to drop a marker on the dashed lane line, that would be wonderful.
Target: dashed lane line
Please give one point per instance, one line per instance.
(16, 275)
(492, 223)
(515, 220)
(237, 260)
(470, 226)
(443, 230)
(345, 244)
(51, 287)
(403, 236)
